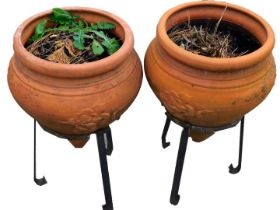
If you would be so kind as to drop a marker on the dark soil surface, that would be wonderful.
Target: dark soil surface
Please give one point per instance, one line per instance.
(58, 47)
(205, 37)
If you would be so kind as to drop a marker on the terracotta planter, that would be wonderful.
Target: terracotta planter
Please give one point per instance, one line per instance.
(75, 100)
(205, 91)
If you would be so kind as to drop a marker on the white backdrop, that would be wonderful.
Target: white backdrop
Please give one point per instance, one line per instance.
(141, 171)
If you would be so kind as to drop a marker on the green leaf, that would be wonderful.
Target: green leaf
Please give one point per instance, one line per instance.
(97, 48)
(112, 45)
(61, 14)
(80, 24)
(59, 28)
(93, 26)
(60, 21)
(63, 17)
(79, 40)
(101, 34)
(105, 26)
(39, 30)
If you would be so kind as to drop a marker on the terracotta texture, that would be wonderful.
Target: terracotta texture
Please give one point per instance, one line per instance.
(205, 91)
(74, 100)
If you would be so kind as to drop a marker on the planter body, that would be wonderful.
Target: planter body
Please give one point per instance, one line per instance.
(75, 100)
(210, 92)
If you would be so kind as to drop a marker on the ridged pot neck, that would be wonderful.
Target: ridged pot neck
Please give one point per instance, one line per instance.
(237, 15)
(25, 30)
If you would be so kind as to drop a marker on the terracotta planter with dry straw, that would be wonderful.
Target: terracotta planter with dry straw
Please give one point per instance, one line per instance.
(204, 91)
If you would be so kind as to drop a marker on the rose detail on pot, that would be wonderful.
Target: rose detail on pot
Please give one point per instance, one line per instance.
(88, 119)
(174, 102)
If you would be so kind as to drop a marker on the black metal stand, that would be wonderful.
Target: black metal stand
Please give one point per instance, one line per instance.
(175, 197)
(105, 147)
(235, 170)
(38, 181)
(165, 144)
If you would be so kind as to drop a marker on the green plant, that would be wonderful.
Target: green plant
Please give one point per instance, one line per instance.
(66, 22)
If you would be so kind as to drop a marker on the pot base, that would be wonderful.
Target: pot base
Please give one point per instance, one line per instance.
(78, 141)
(199, 133)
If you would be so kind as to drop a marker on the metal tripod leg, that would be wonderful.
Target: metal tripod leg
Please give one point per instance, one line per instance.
(235, 170)
(108, 140)
(103, 152)
(165, 144)
(175, 197)
(38, 181)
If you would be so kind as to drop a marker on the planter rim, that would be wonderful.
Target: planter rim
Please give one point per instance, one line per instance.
(208, 63)
(74, 70)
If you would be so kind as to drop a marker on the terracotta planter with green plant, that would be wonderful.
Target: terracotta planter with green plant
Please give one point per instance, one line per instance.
(74, 70)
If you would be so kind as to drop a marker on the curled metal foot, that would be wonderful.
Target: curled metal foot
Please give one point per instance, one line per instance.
(232, 169)
(165, 144)
(106, 207)
(174, 199)
(41, 181)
